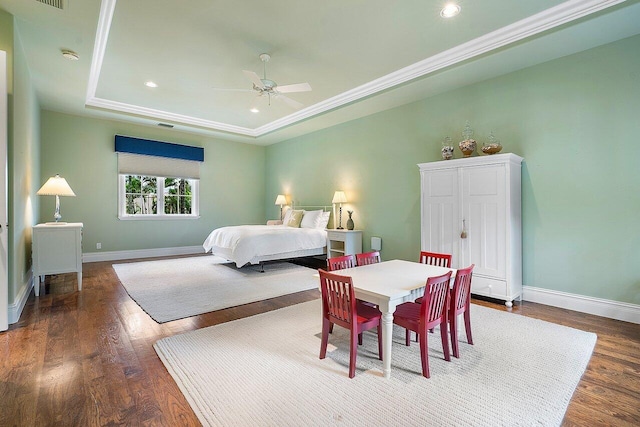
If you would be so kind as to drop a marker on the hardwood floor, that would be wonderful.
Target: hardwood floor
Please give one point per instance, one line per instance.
(86, 359)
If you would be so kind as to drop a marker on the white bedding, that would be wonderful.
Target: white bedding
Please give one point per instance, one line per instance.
(248, 242)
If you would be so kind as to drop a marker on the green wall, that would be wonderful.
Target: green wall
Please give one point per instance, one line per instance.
(82, 151)
(575, 122)
(22, 157)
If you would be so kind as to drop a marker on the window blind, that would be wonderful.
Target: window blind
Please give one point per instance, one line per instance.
(154, 158)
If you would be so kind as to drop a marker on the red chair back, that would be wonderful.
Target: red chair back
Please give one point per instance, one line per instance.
(435, 302)
(338, 300)
(461, 293)
(434, 258)
(368, 258)
(340, 262)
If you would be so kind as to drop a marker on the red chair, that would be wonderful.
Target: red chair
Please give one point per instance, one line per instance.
(368, 258)
(434, 258)
(339, 307)
(460, 300)
(340, 262)
(430, 313)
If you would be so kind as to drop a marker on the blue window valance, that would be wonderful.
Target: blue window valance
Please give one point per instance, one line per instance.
(146, 147)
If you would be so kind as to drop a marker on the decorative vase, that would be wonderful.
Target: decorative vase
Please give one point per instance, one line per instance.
(468, 145)
(350, 221)
(493, 146)
(447, 149)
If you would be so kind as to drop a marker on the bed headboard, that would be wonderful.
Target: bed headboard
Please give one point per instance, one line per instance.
(328, 208)
(325, 208)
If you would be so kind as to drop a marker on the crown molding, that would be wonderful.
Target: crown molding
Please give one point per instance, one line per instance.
(151, 113)
(107, 8)
(535, 24)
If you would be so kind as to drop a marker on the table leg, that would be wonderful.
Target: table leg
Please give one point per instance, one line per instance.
(387, 338)
(36, 283)
(80, 280)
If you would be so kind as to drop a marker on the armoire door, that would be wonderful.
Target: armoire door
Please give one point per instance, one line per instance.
(440, 213)
(484, 212)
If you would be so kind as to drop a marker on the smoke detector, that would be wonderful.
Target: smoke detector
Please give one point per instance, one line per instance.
(70, 55)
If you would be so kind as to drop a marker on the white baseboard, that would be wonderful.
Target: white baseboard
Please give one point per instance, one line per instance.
(584, 304)
(140, 253)
(15, 309)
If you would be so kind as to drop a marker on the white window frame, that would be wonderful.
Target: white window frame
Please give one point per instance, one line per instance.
(122, 205)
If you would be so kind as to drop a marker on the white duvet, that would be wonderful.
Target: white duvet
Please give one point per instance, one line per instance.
(248, 241)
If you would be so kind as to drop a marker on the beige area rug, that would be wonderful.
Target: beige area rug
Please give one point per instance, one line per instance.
(176, 288)
(264, 371)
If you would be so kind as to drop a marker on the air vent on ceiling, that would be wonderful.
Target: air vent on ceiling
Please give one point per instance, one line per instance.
(165, 125)
(59, 4)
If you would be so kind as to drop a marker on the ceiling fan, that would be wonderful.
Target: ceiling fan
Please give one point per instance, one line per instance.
(270, 89)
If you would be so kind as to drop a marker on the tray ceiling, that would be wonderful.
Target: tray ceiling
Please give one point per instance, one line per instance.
(359, 57)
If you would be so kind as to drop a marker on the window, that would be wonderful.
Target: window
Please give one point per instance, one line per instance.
(152, 197)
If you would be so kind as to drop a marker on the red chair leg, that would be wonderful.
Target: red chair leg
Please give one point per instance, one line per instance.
(331, 328)
(325, 337)
(360, 338)
(454, 336)
(424, 354)
(430, 330)
(354, 353)
(445, 341)
(467, 326)
(408, 337)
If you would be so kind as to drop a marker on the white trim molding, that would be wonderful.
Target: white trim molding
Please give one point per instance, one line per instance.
(553, 17)
(140, 253)
(600, 307)
(15, 308)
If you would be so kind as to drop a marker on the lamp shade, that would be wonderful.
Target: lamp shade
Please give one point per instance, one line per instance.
(339, 197)
(281, 200)
(56, 186)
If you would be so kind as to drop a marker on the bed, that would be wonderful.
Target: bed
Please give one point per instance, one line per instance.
(253, 244)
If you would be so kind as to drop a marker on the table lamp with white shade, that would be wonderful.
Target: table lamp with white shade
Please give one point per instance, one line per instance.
(56, 186)
(339, 197)
(281, 200)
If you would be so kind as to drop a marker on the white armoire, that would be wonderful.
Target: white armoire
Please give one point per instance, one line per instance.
(471, 208)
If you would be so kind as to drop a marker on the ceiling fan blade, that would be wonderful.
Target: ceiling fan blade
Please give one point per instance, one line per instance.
(298, 87)
(254, 78)
(290, 102)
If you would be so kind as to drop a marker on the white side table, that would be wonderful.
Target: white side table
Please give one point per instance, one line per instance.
(343, 242)
(56, 248)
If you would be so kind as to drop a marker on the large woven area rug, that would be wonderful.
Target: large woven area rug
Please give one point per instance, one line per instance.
(264, 371)
(176, 288)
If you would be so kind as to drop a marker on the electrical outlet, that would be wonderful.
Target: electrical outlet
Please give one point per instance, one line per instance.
(98, 245)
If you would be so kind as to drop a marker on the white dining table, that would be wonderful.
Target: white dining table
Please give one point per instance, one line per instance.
(388, 284)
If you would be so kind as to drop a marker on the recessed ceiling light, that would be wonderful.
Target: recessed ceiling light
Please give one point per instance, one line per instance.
(450, 10)
(150, 84)
(254, 110)
(69, 54)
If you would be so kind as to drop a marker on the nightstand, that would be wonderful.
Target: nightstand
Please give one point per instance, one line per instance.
(343, 242)
(56, 248)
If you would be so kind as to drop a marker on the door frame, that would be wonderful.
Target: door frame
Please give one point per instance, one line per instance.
(4, 232)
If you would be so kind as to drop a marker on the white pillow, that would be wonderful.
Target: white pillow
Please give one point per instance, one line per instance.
(287, 215)
(310, 219)
(323, 220)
